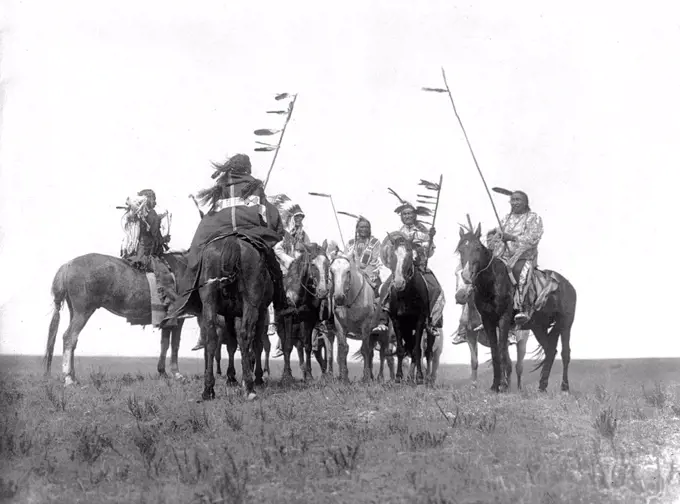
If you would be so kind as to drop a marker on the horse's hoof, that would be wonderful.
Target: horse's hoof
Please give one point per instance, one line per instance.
(178, 376)
(251, 396)
(69, 382)
(542, 389)
(232, 382)
(565, 387)
(259, 381)
(208, 395)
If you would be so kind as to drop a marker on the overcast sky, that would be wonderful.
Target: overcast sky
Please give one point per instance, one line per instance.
(575, 103)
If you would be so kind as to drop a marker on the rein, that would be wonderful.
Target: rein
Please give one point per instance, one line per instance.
(361, 289)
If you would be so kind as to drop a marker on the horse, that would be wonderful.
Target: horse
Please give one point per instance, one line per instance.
(354, 310)
(233, 281)
(306, 285)
(92, 281)
(408, 305)
(493, 297)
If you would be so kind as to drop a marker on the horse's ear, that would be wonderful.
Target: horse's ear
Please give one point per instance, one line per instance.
(324, 246)
(462, 232)
(478, 231)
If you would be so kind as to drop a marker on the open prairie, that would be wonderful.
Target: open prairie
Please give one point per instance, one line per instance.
(125, 435)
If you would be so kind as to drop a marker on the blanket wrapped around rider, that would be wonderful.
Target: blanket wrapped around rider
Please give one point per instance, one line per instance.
(237, 205)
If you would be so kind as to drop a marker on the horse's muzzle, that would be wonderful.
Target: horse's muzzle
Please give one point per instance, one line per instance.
(399, 284)
(340, 299)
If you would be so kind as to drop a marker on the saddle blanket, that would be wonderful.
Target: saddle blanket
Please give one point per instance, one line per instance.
(157, 308)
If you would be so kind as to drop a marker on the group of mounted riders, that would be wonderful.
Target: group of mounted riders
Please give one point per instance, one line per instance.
(237, 202)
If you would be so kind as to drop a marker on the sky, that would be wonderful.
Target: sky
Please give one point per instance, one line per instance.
(575, 103)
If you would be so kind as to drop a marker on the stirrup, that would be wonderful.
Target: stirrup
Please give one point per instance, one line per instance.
(379, 327)
(521, 318)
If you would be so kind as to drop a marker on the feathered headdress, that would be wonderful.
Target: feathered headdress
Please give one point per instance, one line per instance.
(359, 219)
(420, 211)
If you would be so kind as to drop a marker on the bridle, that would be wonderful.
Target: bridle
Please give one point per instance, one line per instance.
(314, 281)
(349, 284)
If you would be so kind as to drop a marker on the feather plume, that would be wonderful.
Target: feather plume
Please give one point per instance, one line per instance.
(426, 196)
(395, 194)
(354, 216)
(429, 185)
(500, 190)
(423, 211)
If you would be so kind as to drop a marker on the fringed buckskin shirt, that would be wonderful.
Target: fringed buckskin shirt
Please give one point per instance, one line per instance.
(420, 236)
(528, 228)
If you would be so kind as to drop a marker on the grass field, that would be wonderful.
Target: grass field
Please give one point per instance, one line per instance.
(124, 435)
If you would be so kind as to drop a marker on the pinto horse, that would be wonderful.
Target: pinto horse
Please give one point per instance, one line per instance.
(408, 305)
(234, 281)
(92, 281)
(493, 293)
(354, 311)
(306, 284)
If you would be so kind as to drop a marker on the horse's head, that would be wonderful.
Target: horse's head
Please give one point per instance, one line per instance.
(318, 268)
(341, 277)
(473, 253)
(397, 254)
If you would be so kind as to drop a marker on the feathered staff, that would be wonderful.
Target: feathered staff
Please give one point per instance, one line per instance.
(267, 147)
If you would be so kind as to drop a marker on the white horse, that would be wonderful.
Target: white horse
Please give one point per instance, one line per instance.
(354, 309)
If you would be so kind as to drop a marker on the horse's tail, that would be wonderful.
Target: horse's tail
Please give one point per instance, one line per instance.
(59, 294)
(357, 355)
(231, 259)
(539, 353)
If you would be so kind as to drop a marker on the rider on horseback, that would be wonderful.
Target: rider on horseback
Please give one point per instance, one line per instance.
(423, 249)
(295, 238)
(237, 203)
(145, 244)
(364, 248)
(517, 246)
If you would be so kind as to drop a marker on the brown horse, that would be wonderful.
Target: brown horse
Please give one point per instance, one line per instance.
(94, 281)
(232, 346)
(306, 284)
(234, 281)
(408, 305)
(493, 293)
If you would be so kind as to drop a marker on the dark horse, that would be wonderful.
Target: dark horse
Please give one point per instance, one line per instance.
(94, 281)
(408, 306)
(493, 293)
(234, 281)
(306, 284)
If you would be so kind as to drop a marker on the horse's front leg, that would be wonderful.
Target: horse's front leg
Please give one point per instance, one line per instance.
(367, 352)
(506, 363)
(343, 350)
(396, 323)
(492, 336)
(285, 329)
(474, 361)
(418, 349)
(306, 328)
(165, 344)
(521, 352)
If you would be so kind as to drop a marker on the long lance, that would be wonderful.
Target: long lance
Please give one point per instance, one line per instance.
(467, 140)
